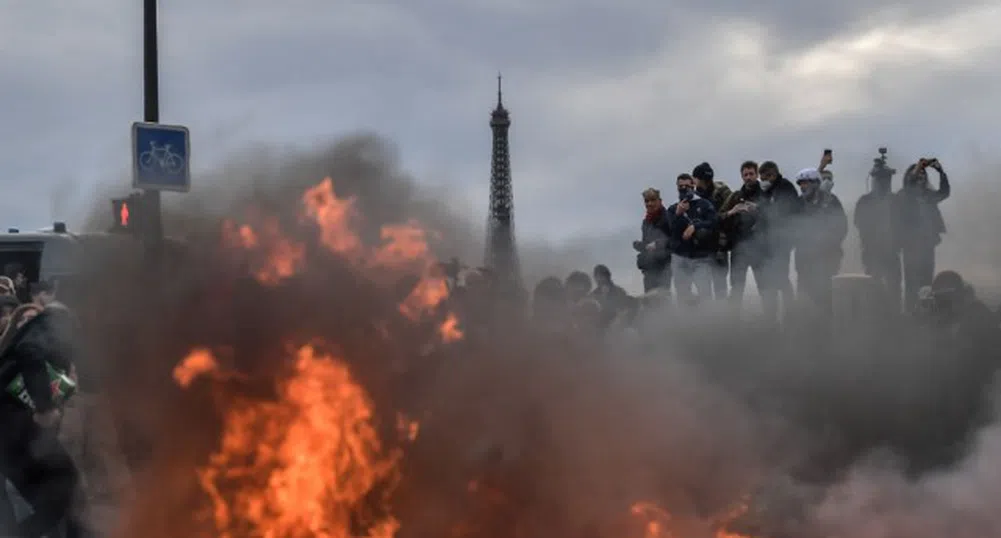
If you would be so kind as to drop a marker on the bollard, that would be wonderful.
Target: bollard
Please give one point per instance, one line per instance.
(856, 302)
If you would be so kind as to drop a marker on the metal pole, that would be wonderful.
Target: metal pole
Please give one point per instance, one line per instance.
(151, 108)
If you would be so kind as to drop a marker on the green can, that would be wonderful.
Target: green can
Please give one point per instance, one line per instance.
(63, 387)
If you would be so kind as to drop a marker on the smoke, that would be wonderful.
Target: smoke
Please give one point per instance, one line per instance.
(693, 419)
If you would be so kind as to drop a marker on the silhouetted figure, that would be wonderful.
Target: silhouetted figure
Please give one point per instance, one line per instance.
(781, 205)
(614, 300)
(921, 226)
(877, 219)
(822, 228)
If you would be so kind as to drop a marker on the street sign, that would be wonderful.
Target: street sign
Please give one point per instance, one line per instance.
(160, 157)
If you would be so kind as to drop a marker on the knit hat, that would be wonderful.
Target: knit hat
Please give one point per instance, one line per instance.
(703, 172)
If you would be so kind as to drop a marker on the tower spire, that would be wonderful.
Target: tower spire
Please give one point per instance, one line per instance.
(500, 102)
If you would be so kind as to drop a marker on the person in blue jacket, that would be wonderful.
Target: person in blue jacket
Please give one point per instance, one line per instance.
(692, 224)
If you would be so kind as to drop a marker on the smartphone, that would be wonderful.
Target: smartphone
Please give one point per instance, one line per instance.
(829, 153)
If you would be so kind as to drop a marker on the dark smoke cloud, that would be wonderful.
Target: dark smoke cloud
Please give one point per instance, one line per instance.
(692, 419)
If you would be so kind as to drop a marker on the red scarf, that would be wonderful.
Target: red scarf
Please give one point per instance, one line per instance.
(652, 216)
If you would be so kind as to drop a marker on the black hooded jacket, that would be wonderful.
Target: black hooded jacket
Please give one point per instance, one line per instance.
(49, 338)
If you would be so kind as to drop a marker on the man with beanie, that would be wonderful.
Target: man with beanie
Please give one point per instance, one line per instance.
(693, 226)
(717, 193)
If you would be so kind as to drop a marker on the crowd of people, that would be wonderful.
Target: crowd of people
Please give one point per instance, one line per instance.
(699, 247)
(706, 242)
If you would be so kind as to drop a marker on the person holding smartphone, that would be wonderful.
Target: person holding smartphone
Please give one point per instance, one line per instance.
(921, 225)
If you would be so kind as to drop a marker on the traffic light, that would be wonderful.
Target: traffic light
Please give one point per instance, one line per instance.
(127, 213)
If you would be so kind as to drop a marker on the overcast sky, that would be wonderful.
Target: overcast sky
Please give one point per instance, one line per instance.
(606, 97)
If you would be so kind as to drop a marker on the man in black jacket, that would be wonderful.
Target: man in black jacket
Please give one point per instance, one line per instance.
(31, 456)
(693, 224)
(781, 206)
(653, 258)
(921, 225)
(742, 219)
(718, 193)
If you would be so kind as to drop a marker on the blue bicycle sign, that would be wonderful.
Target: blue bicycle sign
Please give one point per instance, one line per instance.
(161, 157)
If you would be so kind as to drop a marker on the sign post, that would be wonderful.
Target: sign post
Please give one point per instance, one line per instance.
(161, 157)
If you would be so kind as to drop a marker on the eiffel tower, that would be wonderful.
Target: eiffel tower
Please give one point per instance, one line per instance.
(501, 251)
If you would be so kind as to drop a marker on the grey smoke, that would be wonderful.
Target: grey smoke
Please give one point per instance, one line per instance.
(693, 418)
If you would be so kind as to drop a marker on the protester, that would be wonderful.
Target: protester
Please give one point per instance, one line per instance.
(877, 219)
(921, 225)
(614, 300)
(781, 204)
(653, 258)
(746, 230)
(31, 456)
(822, 228)
(692, 225)
(718, 193)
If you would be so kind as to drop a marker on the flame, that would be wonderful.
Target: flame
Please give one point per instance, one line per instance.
(279, 259)
(123, 214)
(199, 362)
(403, 247)
(449, 329)
(308, 464)
(409, 429)
(333, 216)
(657, 520)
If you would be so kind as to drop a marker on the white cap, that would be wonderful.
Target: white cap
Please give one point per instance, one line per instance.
(807, 174)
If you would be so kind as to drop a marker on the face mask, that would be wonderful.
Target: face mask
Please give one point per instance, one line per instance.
(765, 185)
(683, 192)
(809, 190)
(702, 192)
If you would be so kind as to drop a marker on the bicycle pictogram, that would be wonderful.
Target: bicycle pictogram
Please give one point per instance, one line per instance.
(161, 159)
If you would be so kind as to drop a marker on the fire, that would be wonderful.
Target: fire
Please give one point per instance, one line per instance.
(333, 215)
(279, 258)
(199, 362)
(449, 330)
(657, 521)
(123, 214)
(307, 464)
(403, 247)
(408, 428)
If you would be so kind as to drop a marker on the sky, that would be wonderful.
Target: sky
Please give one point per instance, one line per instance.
(606, 98)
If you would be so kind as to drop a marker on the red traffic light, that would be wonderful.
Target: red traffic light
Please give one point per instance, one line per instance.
(125, 211)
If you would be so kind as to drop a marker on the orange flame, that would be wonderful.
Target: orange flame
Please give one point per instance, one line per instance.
(304, 465)
(655, 519)
(449, 329)
(199, 362)
(333, 216)
(403, 247)
(279, 257)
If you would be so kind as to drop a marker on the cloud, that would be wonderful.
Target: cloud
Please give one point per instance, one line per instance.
(606, 100)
